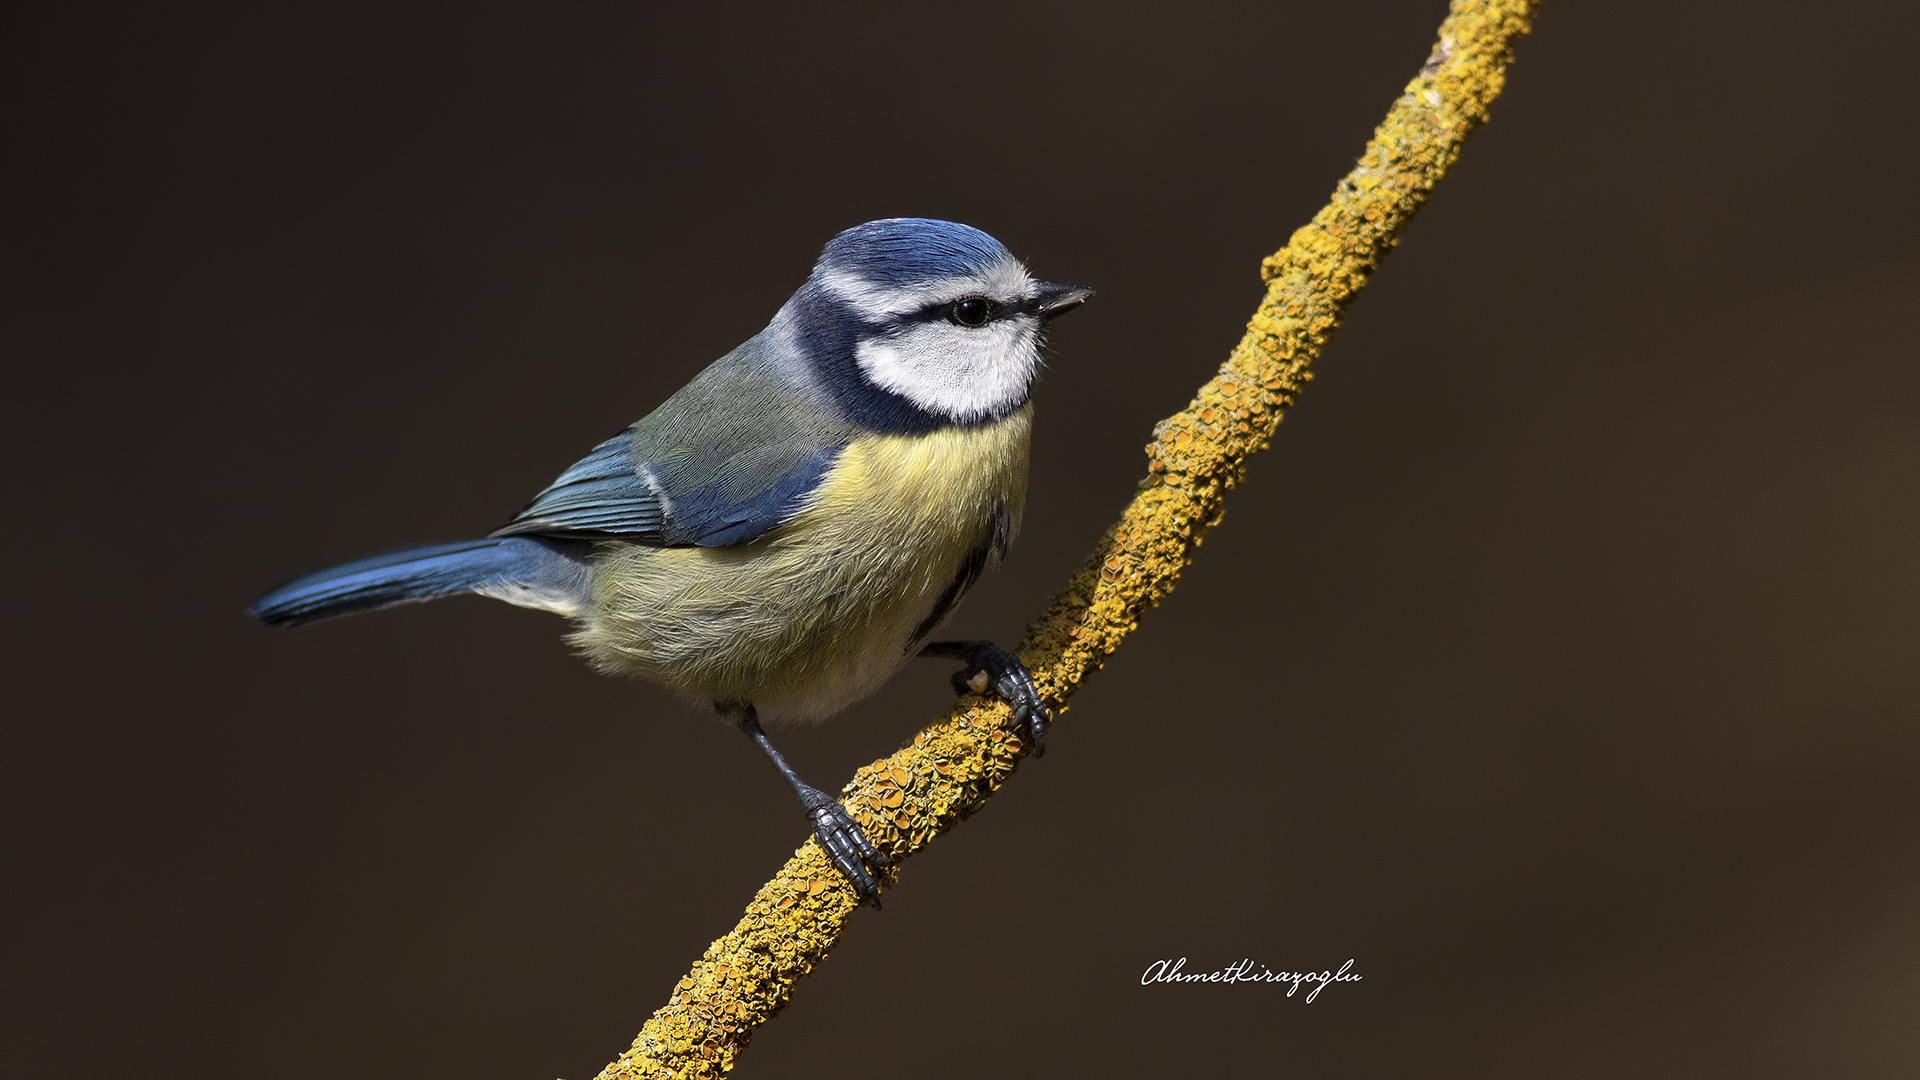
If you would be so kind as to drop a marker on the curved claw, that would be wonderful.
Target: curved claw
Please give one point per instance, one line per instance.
(844, 842)
(990, 665)
(1018, 689)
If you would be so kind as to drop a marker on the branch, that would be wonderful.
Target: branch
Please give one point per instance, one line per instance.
(952, 767)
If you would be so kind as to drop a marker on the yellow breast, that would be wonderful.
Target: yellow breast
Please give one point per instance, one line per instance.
(819, 612)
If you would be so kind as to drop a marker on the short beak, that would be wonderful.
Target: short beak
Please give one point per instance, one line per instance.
(1053, 298)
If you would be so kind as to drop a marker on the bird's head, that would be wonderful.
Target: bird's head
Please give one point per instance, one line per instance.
(933, 312)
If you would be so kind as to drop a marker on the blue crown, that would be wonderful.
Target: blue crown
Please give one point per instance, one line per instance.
(901, 251)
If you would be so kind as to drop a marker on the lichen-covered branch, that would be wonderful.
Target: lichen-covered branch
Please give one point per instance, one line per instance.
(952, 767)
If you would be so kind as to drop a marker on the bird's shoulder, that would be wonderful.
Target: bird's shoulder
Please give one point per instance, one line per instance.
(729, 456)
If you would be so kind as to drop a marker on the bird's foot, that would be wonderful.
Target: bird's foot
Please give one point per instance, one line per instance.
(840, 837)
(991, 667)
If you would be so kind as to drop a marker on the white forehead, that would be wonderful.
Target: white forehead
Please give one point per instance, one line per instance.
(1005, 281)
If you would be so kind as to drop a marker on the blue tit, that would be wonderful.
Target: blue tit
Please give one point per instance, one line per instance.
(783, 533)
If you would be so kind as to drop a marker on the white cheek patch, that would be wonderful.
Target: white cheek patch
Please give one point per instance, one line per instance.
(966, 374)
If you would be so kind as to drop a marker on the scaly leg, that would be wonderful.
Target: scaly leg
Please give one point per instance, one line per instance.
(836, 830)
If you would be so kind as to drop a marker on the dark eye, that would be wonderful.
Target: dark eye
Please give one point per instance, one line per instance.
(973, 311)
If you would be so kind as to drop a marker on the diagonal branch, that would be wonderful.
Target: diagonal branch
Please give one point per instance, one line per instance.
(953, 766)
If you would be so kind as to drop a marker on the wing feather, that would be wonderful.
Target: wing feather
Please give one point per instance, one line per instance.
(733, 454)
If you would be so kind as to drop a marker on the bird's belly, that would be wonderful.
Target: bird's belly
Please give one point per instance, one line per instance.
(818, 613)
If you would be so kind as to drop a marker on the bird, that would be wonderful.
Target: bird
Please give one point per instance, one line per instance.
(783, 533)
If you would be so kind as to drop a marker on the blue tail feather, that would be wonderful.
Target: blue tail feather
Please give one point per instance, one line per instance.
(520, 569)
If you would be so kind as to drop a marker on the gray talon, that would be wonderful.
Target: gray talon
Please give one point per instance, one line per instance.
(839, 835)
(990, 665)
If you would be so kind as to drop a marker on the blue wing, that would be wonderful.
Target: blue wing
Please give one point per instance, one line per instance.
(608, 495)
(603, 494)
(733, 454)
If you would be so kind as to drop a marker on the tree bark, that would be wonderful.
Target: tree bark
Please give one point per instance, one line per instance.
(953, 766)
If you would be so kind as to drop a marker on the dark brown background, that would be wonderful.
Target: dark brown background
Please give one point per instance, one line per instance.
(1556, 664)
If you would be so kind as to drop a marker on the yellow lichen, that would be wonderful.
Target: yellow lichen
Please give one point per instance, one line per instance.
(952, 767)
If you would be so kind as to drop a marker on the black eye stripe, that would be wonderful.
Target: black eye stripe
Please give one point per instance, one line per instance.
(942, 312)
